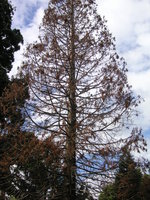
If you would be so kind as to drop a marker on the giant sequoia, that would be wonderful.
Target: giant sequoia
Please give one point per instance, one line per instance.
(79, 91)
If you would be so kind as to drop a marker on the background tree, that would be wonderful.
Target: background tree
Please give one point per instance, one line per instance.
(9, 42)
(34, 172)
(145, 187)
(79, 92)
(128, 178)
(108, 193)
(11, 103)
(30, 168)
(129, 182)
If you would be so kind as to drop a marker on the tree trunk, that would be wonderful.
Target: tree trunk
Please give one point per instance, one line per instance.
(71, 136)
(2, 195)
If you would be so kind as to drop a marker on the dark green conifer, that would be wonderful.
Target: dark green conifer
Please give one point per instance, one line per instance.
(10, 40)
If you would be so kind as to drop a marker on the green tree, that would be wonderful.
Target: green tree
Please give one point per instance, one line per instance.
(128, 178)
(108, 193)
(12, 198)
(145, 187)
(9, 42)
(79, 90)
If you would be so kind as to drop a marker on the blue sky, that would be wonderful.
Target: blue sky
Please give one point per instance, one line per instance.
(129, 23)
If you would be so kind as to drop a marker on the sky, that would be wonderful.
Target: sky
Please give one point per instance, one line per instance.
(129, 23)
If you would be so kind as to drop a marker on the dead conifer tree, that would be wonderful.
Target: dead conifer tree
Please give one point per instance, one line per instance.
(79, 91)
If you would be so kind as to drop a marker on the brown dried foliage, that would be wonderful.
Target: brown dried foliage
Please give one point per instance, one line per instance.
(79, 91)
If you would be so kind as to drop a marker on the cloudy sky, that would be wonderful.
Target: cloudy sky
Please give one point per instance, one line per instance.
(129, 22)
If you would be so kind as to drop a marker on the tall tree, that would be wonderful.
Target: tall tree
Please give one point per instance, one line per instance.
(79, 91)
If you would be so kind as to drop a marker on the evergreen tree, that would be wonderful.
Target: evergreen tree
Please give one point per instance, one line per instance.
(11, 103)
(128, 181)
(145, 187)
(78, 88)
(108, 193)
(9, 42)
(128, 178)
(30, 170)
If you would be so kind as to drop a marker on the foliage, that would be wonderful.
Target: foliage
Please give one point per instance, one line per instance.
(9, 42)
(78, 88)
(11, 106)
(129, 182)
(83, 193)
(31, 169)
(12, 198)
(145, 187)
(108, 193)
(79, 100)
(128, 178)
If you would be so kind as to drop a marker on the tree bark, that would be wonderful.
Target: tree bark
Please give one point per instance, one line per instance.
(71, 137)
(2, 195)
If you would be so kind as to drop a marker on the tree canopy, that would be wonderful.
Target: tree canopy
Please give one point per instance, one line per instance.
(61, 118)
(79, 92)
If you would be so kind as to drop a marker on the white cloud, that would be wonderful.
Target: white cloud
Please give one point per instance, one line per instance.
(144, 39)
(141, 82)
(129, 22)
(123, 16)
(29, 31)
(25, 10)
